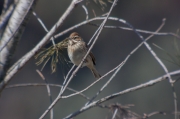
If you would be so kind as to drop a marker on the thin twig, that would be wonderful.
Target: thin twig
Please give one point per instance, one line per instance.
(113, 19)
(43, 84)
(75, 71)
(43, 25)
(48, 91)
(93, 82)
(122, 65)
(21, 62)
(141, 86)
(98, 31)
(111, 78)
(115, 112)
(152, 114)
(161, 64)
(68, 11)
(86, 11)
(66, 78)
(138, 30)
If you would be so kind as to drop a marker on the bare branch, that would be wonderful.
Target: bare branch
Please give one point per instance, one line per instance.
(86, 11)
(14, 28)
(43, 25)
(43, 84)
(114, 19)
(5, 16)
(70, 8)
(62, 90)
(162, 65)
(115, 112)
(20, 63)
(5, 6)
(120, 65)
(48, 91)
(141, 86)
(117, 67)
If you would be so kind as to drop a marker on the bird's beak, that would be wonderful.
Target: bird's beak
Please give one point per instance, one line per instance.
(70, 41)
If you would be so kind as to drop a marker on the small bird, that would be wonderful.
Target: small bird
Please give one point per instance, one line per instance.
(77, 49)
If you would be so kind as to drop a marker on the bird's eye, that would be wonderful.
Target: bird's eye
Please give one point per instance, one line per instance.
(75, 37)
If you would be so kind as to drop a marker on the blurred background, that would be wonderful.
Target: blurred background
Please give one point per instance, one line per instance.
(111, 49)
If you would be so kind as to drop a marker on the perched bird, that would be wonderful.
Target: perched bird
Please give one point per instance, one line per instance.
(77, 49)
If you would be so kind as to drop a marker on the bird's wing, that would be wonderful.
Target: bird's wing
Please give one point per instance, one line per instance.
(93, 58)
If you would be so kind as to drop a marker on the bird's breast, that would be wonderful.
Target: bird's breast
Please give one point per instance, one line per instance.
(76, 53)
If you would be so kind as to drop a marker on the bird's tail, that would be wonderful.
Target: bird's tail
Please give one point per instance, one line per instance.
(95, 73)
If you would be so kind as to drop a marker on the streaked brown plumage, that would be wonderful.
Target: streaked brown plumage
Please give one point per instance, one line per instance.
(77, 49)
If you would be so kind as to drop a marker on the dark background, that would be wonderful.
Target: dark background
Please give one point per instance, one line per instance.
(112, 47)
